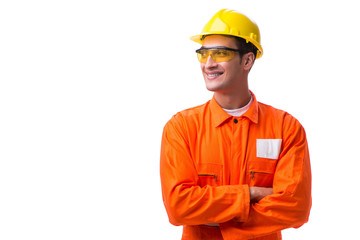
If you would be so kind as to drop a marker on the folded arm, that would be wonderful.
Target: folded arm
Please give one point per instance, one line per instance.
(290, 203)
(185, 201)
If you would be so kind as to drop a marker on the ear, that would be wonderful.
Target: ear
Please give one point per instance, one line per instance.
(248, 60)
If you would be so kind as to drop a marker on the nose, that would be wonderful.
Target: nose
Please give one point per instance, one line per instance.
(210, 63)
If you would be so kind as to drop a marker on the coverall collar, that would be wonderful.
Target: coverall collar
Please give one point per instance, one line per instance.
(219, 116)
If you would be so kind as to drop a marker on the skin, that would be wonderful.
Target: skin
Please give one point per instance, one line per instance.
(229, 82)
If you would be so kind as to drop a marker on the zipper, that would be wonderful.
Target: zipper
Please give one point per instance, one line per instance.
(253, 172)
(208, 175)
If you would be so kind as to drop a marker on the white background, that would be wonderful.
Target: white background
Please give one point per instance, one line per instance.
(87, 86)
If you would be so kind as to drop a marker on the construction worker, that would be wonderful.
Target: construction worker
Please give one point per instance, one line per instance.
(234, 168)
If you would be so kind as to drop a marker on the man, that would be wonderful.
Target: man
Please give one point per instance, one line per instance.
(234, 168)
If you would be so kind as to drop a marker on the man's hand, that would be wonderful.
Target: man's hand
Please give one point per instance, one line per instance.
(258, 193)
(213, 224)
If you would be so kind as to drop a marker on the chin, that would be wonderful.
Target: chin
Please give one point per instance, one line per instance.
(213, 88)
(213, 85)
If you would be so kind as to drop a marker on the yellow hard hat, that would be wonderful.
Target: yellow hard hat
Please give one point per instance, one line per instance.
(230, 22)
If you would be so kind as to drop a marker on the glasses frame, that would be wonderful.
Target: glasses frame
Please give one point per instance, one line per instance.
(224, 48)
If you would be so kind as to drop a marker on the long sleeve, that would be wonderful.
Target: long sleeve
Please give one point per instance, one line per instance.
(290, 204)
(185, 201)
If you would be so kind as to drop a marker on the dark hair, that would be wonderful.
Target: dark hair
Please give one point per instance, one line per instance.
(245, 47)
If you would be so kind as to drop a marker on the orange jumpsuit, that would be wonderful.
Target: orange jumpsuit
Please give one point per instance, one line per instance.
(209, 160)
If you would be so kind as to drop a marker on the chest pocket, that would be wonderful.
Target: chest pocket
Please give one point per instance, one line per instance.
(210, 174)
(261, 172)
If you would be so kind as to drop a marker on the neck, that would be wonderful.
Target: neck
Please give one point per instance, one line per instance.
(233, 101)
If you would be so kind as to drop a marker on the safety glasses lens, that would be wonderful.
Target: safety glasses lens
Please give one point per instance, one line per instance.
(217, 55)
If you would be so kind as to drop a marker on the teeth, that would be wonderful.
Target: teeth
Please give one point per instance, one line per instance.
(214, 74)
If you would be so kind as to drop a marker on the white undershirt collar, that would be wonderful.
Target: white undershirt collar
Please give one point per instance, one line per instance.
(240, 111)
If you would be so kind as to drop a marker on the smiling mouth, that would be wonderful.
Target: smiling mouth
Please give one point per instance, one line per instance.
(213, 75)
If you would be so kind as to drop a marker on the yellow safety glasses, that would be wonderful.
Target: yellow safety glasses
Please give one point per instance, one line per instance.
(218, 54)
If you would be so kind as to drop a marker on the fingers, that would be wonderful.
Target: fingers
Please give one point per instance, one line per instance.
(258, 193)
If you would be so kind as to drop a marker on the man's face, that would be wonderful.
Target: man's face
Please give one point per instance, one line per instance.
(222, 77)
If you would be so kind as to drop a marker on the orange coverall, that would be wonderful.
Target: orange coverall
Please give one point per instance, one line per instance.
(209, 160)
